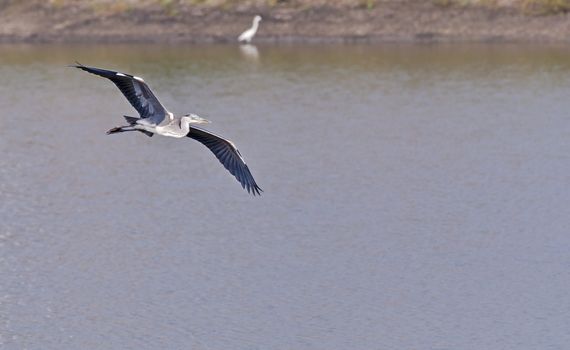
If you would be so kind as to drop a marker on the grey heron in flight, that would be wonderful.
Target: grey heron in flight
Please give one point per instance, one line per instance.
(250, 33)
(156, 119)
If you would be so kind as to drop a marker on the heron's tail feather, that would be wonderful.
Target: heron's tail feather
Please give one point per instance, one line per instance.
(130, 120)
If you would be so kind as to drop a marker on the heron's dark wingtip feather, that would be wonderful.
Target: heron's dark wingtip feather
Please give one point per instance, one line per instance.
(76, 65)
(256, 189)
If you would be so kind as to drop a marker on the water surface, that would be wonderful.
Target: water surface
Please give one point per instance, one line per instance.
(416, 197)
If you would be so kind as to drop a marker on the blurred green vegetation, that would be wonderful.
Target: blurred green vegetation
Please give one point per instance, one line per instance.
(546, 6)
(540, 7)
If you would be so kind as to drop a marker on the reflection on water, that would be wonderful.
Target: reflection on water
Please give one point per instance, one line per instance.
(249, 52)
(416, 197)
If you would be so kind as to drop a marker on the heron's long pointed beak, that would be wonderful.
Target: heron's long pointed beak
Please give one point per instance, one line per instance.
(194, 119)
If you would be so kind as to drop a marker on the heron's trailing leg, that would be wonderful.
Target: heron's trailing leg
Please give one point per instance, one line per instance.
(119, 129)
(132, 121)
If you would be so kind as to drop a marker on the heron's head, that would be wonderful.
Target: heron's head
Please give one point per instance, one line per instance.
(257, 19)
(194, 119)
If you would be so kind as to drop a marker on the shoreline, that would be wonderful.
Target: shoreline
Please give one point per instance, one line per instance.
(408, 21)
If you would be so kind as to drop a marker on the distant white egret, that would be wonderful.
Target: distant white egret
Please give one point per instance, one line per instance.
(250, 33)
(156, 119)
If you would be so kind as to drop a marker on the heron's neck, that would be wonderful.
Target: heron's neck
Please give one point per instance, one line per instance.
(255, 25)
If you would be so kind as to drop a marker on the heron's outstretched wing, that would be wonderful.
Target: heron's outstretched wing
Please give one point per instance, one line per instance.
(135, 90)
(229, 156)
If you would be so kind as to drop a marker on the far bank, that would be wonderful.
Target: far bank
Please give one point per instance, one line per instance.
(190, 21)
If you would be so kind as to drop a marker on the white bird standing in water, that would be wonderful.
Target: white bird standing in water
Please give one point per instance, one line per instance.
(246, 36)
(156, 119)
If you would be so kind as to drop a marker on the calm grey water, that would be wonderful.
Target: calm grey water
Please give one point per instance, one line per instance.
(416, 197)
